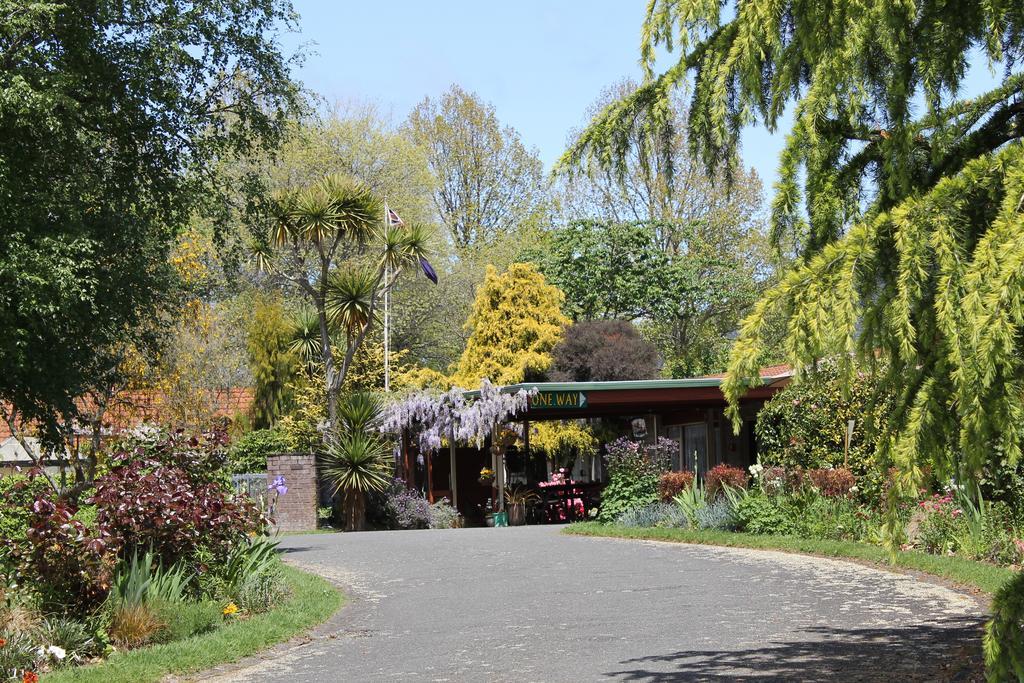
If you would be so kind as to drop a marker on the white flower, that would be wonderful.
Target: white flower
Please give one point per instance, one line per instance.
(58, 653)
(756, 469)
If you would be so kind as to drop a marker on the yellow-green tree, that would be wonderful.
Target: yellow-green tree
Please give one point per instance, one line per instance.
(516, 322)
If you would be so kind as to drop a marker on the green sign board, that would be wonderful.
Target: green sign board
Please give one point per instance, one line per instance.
(544, 400)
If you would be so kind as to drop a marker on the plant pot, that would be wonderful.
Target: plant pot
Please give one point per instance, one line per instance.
(489, 519)
(517, 514)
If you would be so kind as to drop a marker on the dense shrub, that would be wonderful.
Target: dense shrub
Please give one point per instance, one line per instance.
(724, 475)
(1004, 635)
(18, 493)
(633, 471)
(406, 508)
(832, 483)
(181, 517)
(807, 513)
(764, 514)
(249, 453)
(804, 425)
(672, 483)
(68, 565)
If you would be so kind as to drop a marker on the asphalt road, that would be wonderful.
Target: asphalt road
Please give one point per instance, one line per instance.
(529, 604)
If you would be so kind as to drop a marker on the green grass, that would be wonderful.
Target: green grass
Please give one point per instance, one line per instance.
(986, 577)
(312, 601)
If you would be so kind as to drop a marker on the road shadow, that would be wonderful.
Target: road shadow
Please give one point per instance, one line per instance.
(949, 650)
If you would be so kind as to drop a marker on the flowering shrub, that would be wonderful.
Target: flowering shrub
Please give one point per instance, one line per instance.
(444, 516)
(832, 483)
(633, 473)
(406, 508)
(671, 483)
(724, 475)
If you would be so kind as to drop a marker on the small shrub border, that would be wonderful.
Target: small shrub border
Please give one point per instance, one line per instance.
(985, 577)
(312, 601)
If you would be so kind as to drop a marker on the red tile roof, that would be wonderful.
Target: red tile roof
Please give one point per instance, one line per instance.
(132, 408)
(767, 372)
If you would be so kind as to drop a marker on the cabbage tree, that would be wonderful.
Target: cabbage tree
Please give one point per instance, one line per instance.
(330, 242)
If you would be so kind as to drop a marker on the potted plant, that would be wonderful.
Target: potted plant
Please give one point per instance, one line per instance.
(517, 499)
(487, 476)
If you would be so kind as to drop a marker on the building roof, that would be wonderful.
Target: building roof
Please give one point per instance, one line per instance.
(129, 409)
(770, 375)
(781, 371)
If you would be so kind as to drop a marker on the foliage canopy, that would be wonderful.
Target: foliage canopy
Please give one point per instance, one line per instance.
(516, 322)
(910, 236)
(113, 118)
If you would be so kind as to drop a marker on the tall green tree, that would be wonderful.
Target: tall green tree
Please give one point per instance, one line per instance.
(687, 300)
(691, 202)
(911, 232)
(488, 182)
(112, 115)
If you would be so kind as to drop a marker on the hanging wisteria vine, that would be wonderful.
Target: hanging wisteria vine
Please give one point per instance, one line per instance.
(431, 417)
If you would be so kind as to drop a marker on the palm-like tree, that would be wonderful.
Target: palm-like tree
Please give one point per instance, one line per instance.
(356, 460)
(332, 243)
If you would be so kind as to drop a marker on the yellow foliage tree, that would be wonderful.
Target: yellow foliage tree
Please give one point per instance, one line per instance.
(516, 321)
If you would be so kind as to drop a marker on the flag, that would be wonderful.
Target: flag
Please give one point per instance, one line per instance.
(393, 219)
(428, 270)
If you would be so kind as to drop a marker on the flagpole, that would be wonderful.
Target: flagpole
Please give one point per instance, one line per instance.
(387, 308)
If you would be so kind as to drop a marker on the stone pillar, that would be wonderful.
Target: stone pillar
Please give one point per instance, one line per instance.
(296, 510)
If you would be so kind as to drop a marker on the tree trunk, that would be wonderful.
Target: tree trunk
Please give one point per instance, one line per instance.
(330, 371)
(355, 510)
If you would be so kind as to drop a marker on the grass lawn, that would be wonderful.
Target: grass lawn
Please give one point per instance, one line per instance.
(312, 601)
(986, 577)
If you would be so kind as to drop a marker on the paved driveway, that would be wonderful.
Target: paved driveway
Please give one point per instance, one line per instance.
(529, 604)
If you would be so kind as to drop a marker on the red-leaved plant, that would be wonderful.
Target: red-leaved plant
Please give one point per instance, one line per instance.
(149, 506)
(672, 484)
(724, 475)
(69, 565)
(832, 483)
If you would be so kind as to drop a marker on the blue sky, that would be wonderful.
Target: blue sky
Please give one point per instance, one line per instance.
(541, 63)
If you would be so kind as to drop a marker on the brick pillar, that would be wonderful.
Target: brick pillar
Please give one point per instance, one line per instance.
(296, 510)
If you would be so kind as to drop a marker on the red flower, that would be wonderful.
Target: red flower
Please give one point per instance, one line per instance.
(2, 642)
(30, 677)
